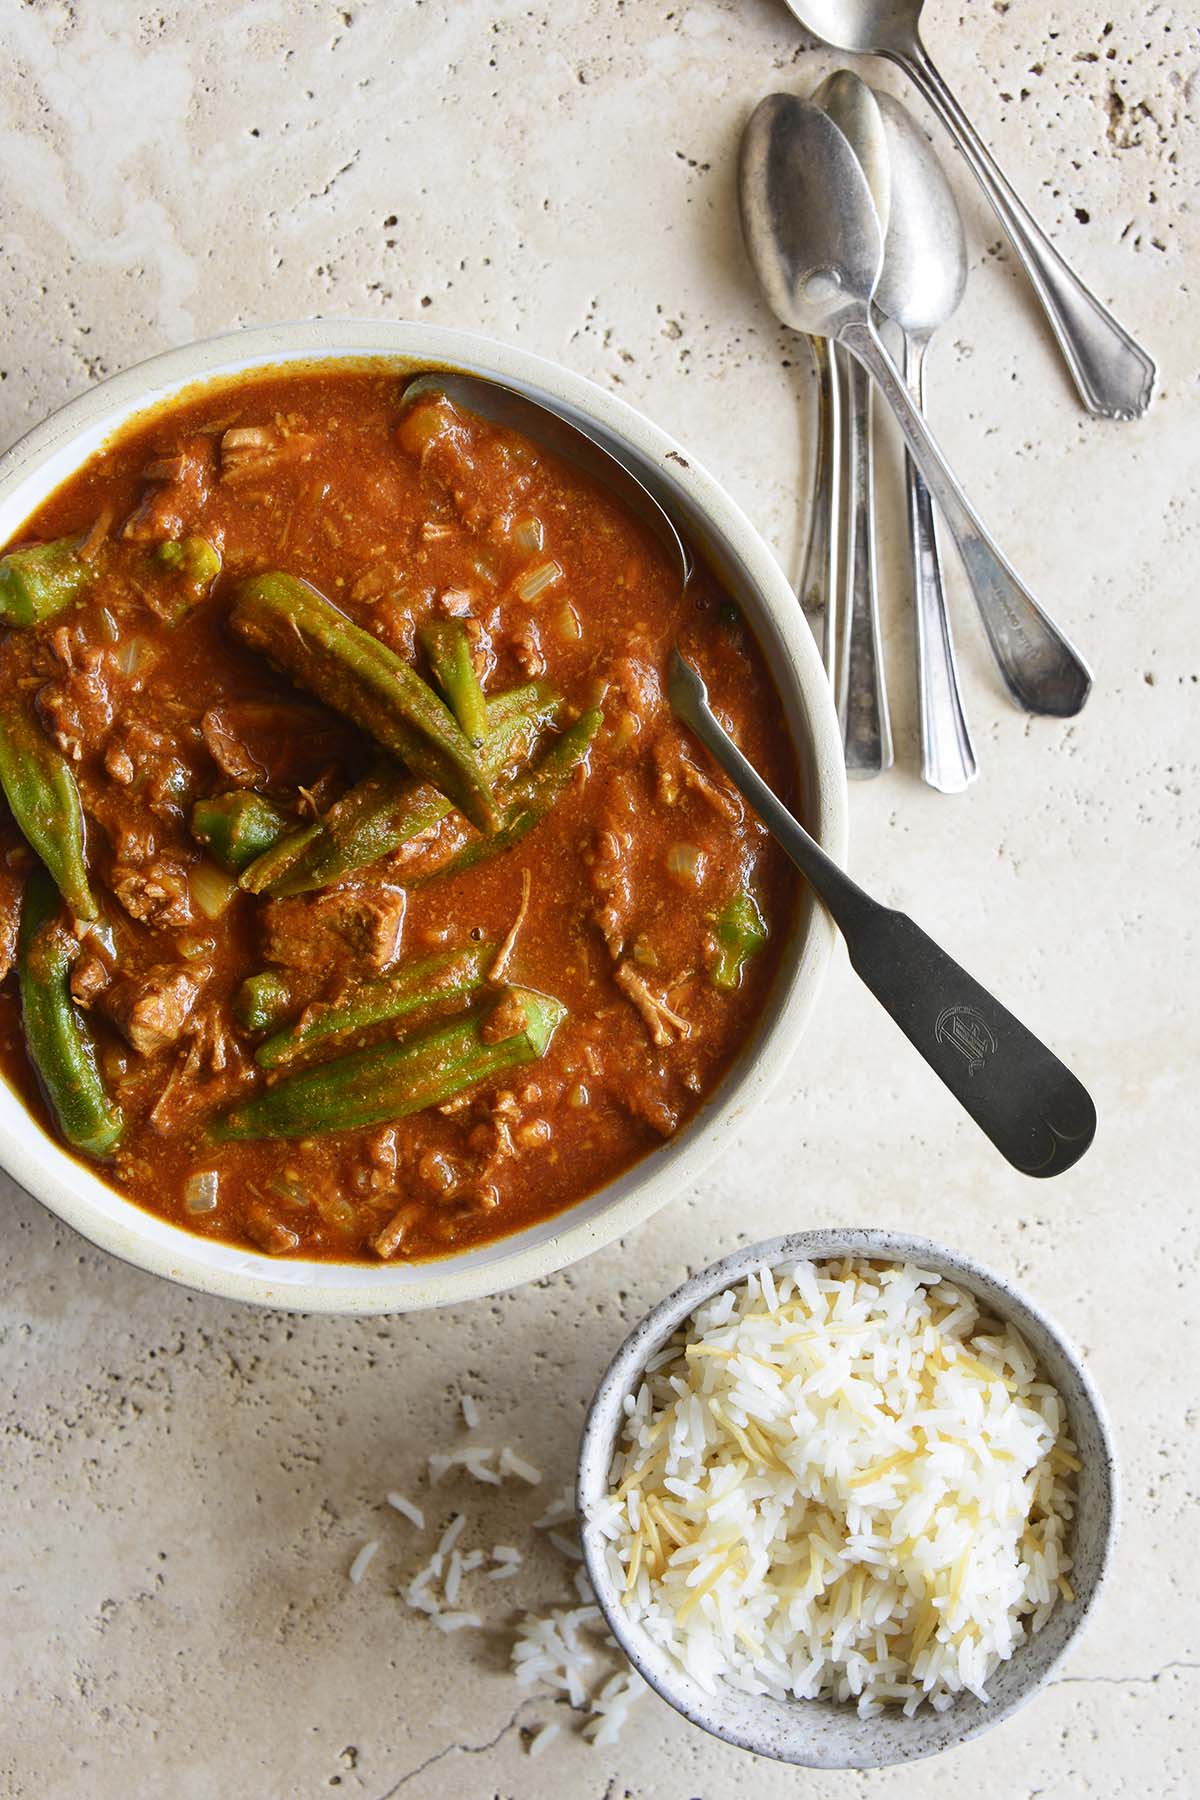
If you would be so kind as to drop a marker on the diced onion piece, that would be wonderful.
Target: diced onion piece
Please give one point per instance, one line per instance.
(195, 947)
(686, 863)
(211, 889)
(200, 1191)
(529, 535)
(539, 580)
(102, 933)
(570, 626)
(134, 655)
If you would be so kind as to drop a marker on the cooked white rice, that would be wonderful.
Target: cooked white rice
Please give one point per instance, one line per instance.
(839, 1480)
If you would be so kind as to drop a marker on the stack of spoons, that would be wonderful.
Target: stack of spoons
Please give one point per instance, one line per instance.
(854, 232)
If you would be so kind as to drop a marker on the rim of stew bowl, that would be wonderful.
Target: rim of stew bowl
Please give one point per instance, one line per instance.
(50, 453)
(828, 1734)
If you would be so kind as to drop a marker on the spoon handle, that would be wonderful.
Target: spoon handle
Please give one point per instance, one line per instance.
(1114, 375)
(862, 698)
(1037, 1114)
(947, 756)
(1043, 670)
(819, 576)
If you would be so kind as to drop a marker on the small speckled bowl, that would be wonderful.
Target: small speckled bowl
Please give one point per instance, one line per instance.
(826, 1734)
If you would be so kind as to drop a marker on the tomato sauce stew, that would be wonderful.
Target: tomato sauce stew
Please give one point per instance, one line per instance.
(360, 896)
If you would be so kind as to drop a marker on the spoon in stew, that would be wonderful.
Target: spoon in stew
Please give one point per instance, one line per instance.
(541, 423)
(1038, 1115)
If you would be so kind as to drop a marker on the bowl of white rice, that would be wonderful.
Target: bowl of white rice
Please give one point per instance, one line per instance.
(846, 1498)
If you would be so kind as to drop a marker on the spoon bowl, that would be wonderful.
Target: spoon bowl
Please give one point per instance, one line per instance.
(924, 273)
(518, 412)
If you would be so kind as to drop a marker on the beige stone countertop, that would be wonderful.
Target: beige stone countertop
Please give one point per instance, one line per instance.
(186, 1482)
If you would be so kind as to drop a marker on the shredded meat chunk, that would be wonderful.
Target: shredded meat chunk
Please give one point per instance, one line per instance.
(274, 743)
(266, 1229)
(89, 978)
(609, 875)
(156, 895)
(12, 886)
(645, 1101)
(677, 771)
(257, 449)
(77, 708)
(138, 754)
(151, 1010)
(178, 485)
(640, 687)
(663, 1024)
(320, 931)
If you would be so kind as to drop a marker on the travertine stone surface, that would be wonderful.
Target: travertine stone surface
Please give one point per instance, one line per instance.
(186, 1482)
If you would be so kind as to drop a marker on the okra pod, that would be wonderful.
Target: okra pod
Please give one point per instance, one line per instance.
(43, 796)
(263, 1001)
(318, 646)
(446, 644)
(59, 1044)
(238, 827)
(413, 988)
(196, 563)
(374, 1087)
(40, 581)
(740, 931)
(387, 807)
(531, 796)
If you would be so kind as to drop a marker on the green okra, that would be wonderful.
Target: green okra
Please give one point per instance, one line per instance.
(530, 797)
(58, 1041)
(740, 931)
(40, 581)
(43, 796)
(387, 808)
(376, 1086)
(196, 563)
(446, 644)
(351, 671)
(263, 1001)
(238, 827)
(413, 988)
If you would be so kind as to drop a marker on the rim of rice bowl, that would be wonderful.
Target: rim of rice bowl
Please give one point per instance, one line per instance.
(826, 1733)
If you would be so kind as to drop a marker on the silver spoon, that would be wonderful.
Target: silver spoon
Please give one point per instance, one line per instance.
(1032, 1108)
(924, 275)
(537, 420)
(1114, 375)
(820, 576)
(861, 690)
(815, 240)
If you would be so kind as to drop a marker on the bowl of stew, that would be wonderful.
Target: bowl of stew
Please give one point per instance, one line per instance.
(372, 936)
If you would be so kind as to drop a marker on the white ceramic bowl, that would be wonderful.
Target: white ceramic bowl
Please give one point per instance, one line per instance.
(824, 1734)
(53, 451)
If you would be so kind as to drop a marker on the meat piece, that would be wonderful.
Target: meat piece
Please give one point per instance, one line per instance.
(89, 979)
(609, 874)
(266, 1229)
(151, 1010)
(386, 1242)
(157, 895)
(640, 687)
(350, 929)
(77, 709)
(249, 450)
(663, 1024)
(527, 648)
(178, 485)
(646, 1101)
(137, 755)
(275, 743)
(214, 1045)
(677, 771)
(12, 886)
